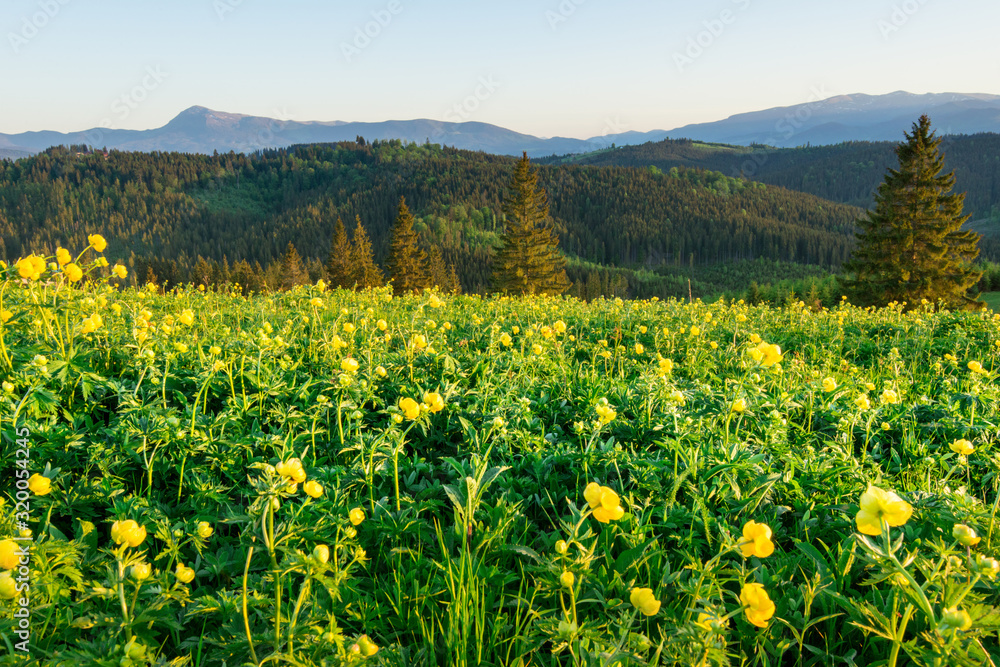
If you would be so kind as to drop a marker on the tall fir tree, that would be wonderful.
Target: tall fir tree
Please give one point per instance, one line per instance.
(407, 262)
(912, 245)
(364, 272)
(338, 263)
(292, 271)
(528, 261)
(442, 276)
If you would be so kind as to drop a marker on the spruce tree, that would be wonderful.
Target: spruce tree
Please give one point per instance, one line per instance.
(338, 263)
(912, 245)
(528, 261)
(407, 262)
(441, 275)
(292, 271)
(364, 273)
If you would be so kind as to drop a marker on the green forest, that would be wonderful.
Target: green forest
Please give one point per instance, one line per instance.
(848, 172)
(634, 230)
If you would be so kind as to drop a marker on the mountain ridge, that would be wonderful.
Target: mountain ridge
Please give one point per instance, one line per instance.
(836, 119)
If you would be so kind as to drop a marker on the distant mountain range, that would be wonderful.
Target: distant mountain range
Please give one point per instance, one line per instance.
(830, 121)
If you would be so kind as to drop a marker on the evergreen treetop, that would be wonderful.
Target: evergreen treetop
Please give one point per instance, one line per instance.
(338, 263)
(912, 246)
(407, 262)
(363, 271)
(528, 261)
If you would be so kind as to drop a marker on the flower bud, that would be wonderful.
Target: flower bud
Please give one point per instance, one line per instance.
(955, 619)
(965, 535)
(567, 579)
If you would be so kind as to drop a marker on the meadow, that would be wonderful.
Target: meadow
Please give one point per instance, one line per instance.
(321, 477)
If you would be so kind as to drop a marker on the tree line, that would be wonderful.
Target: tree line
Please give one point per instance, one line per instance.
(177, 215)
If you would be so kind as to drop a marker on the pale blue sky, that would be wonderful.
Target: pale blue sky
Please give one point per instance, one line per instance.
(550, 67)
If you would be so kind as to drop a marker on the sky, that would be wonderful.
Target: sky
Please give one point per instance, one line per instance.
(572, 68)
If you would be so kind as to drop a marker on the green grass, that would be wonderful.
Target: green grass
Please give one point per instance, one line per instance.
(992, 300)
(489, 481)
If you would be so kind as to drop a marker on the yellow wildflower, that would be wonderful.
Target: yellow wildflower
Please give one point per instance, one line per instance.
(644, 600)
(962, 447)
(604, 502)
(410, 408)
(40, 485)
(184, 574)
(73, 272)
(97, 242)
(356, 516)
(757, 540)
(877, 506)
(9, 556)
(128, 532)
(759, 608)
(434, 401)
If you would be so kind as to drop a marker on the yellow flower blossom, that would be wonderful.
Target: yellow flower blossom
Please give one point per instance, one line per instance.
(604, 502)
(63, 256)
(97, 242)
(410, 408)
(9, 558)
(128, 532)
(829, 385)
(141, 571)
(759, 608)
(890, 397)
(8, 587)
(644, 600)
(757, 540)
(40, 485)
(605, 412)
(878, 506)
(434, 401)
(962, 447)
(356, 516)
(313, 488)
(73, 272)
(184, 574)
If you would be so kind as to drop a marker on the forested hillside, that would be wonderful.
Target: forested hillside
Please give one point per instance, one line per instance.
(848, 173)
(178, 208)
